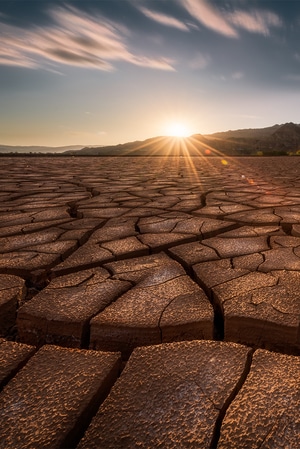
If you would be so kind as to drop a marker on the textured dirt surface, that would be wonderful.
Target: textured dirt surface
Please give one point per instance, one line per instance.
(185, 269)
(165, 404)
(43, 404)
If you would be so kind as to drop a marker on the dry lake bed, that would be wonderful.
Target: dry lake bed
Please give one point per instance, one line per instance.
(149, 302)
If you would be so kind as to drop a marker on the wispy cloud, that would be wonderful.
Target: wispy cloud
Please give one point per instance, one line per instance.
(12, 48)
(292, 77)
(200, 61)
(297, 57)
(209, 16)
(228, 23)
(75, 39)
(164, 19)
(255, 21)
(237, 75)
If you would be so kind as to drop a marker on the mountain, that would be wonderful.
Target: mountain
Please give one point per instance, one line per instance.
(38, 149)
(274, 140)
(155, 146)
(250, 133)
(277, 139)
(288, 133)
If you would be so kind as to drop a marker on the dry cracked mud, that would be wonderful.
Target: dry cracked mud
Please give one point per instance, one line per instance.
(149, 302)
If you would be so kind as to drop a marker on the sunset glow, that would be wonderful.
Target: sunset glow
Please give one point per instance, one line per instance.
(97, 73)
(177, 130)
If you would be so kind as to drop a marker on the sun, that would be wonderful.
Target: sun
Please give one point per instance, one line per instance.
(177, 129)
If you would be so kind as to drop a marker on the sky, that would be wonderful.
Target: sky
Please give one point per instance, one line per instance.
(104, 72)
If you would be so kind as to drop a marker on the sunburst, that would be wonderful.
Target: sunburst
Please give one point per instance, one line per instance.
(177, 129)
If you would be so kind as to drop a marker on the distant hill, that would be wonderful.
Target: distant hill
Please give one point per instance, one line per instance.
(277, 139)
(247, 133)
(274, 140)
(38, 149)
(155, 146)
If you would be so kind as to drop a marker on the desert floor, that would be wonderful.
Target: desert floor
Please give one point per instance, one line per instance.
(149, 302)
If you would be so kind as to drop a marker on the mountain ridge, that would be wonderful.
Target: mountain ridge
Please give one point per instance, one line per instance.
(248, 132)
(276, 139)
(38, 148)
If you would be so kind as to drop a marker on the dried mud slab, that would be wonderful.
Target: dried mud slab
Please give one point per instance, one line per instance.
(258, 309)
(12, 357)
(253, 296)
(231, 247)
(163, 240)
(50, 401)
(39, 258)
(169, 396)
(12, 292)
(61, 312)
(165, 305)
(266, 411)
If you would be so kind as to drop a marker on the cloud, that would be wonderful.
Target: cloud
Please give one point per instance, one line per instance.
(209, 16)
(11, 48)
(164, 19)
(297, 56)
(161, 64)
(237, 75)
(200, 61)
(255, 21)
(292, 77)
(225, 23)
(75, 39)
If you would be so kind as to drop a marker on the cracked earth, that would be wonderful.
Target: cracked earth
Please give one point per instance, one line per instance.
(149, 302)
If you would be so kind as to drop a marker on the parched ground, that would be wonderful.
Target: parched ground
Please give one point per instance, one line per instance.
(149, 302)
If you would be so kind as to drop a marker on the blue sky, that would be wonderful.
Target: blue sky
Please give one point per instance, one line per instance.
(106, 72)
